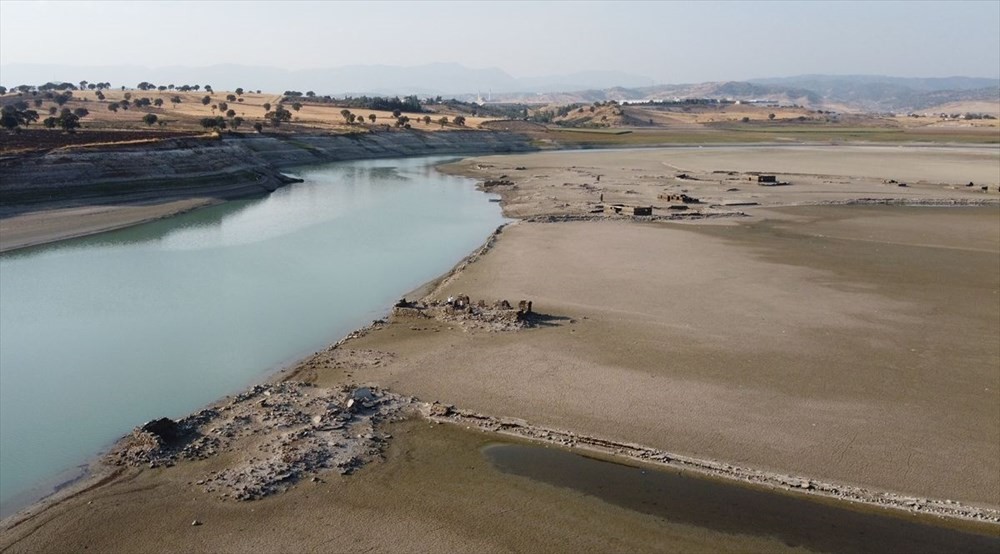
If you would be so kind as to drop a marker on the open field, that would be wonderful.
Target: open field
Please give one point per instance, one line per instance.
(183, 118)
(766, 133)
(606, 125)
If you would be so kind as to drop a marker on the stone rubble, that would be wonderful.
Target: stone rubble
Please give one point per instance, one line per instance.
(494, 316)
(281, 433)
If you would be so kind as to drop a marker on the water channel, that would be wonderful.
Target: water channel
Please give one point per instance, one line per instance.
(102, 333)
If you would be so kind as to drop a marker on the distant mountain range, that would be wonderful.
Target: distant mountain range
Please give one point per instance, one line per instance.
(855, 92)
(430, 79)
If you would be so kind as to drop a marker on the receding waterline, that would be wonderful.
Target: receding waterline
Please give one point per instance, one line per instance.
(101, 333)
(735, 509)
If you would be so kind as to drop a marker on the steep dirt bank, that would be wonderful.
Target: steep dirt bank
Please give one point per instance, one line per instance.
(222, 166)
(69, 192)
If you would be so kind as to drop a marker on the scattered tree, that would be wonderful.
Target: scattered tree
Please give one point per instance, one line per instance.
(239, 91)
(158, 102)
(770, 116)
(81, 112)
(259, 127)
(443, 121)
(125, 104)
(371, 117)
(3, 90)
(11, 117)
(427, 120)
(231, 97)
(231, 113)
(213, 122)
(53, 110)
(296, 106)
(175, 100)
(235, 122)
(266, 106)
(279, 115)
(206, 100)
(69, 121)
(396, 113)
(113, 107)
(460, 120)
(149, 119)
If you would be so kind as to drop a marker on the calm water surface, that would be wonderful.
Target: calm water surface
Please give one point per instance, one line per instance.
(732, 509)
(102, 333)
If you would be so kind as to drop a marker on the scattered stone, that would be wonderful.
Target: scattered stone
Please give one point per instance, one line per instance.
(195, 523)
(303, 430)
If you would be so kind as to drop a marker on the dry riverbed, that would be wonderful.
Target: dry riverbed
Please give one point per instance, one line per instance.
(842, 351)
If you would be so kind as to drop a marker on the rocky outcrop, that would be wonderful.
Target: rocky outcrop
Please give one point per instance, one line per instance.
(225, 168)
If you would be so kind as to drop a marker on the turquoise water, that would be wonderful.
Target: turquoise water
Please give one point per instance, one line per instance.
(100, 334)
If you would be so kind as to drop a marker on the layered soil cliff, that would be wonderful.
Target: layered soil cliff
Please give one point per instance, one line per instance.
(226, 167)
(73, 191)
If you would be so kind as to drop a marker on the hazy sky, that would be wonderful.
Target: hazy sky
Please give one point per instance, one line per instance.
(671, 42)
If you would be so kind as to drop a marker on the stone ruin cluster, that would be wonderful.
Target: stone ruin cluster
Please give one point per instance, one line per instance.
(679, 197)
(499, 315)
(280, 434)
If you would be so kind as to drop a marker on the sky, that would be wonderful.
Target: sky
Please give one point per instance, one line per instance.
(670, 42)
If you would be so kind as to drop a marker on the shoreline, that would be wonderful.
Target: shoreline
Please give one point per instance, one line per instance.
(104, 221)
(102, 226)
(542, 434)
(93, 472)
(109, 183)
(636, 454)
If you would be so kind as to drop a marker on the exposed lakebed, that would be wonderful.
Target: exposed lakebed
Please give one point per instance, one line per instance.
(102, 333)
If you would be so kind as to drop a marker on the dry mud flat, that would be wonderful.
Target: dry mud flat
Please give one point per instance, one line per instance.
(822, 347)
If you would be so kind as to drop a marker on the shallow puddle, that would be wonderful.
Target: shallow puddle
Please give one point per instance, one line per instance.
(732, 508)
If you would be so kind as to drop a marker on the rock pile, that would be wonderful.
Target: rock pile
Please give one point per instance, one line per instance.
(279, 433)
(496, 316)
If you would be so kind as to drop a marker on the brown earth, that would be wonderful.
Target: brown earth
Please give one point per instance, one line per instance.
(853, 344)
